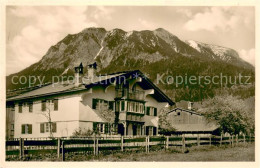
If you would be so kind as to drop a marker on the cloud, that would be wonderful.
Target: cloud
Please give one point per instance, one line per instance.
(218, 18)
(47, 26)
(248, 55)
(145, 24)
(184, 11)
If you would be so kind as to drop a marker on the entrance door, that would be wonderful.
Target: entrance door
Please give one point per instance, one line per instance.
(121, 129)
(134, 129)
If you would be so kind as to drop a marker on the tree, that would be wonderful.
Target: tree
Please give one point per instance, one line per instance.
(47, 115)
(109, 115)
(165, 126)
(230, 113)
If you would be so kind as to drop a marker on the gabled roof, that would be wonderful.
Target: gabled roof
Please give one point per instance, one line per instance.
(184, 110)
(69, 87)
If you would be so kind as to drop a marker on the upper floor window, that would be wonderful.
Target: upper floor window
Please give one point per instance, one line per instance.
(152, 111)
(50, 104)
(101, 104)
(20, 107)
(43, 105)
(26, 129)
(136, 107)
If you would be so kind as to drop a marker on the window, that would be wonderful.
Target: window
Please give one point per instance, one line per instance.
(26, 128)
(152, 111)
(55, 102)
(149, 130)
(111, 105)
(20, 107)
(101, 127)
(45, 127)
(43, 105)
(135, 107)
(101, 104)
(30, 106)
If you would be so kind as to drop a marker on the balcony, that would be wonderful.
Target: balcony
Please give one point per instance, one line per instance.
(134, 95)
(136, 118)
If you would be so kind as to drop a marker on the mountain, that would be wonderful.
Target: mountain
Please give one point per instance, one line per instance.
(152, 52)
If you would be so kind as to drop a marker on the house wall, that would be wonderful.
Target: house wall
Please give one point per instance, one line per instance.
(76, 112)
(66, 118)
(9, 122)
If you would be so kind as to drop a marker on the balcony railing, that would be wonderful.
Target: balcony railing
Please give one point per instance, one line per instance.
(134, 95)
(131, 117)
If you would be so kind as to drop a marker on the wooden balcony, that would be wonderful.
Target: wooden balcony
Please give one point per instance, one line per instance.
(137, 118)
(134, 95)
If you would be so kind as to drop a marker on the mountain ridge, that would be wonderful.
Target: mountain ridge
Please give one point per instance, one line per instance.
(146, 50)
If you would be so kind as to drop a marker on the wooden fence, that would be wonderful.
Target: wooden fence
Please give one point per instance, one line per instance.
(95, 145)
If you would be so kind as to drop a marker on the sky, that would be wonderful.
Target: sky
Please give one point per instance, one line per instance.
(32, 30)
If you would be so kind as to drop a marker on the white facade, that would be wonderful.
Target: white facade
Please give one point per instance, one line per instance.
(70, 107)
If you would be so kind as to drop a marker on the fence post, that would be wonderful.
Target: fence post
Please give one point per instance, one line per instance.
(183, 143)
(236, 139)
(167, 142)
(58, 148)
(94, 146)
(122, 143)
(209, 140)
(229, 137)
(148, 144)
(198, 140)
(244, 138)
(21, 148)
(97, 147)
(221, 139)
(232, 141)
(63, 151)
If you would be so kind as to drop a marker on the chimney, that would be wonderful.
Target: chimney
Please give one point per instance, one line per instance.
(92, 68)
(190, 104)
(78, 74)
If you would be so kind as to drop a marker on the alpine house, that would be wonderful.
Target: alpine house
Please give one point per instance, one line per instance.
(125, 103)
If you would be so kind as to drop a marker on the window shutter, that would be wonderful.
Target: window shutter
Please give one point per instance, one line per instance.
(20, 108)
(111, 105)
(94, 103)
(29, 128)
(106, 128)
(147, 130)
(54, 127)
(122, 105)
(147, 110)
(42, 128)
(94, 126)
(43, 105)
(55, 101)
(23, 129)
(154, 130)
(30, 106)
(155, 111)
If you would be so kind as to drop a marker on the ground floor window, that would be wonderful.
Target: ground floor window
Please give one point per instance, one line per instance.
(101, 127)
(26, 129)
(46, 127)
(150, 130)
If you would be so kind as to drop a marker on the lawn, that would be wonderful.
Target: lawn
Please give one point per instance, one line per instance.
(202, 153)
